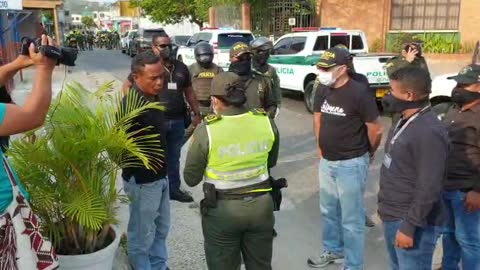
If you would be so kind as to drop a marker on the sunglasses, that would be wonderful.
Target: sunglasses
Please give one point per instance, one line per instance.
(163, 46)
(245, 56)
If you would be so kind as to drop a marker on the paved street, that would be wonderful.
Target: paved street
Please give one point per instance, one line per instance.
(298, 223)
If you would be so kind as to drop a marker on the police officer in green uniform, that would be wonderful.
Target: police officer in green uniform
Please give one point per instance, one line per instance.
(232, 151)
(202, 73)
(258, 89)
(261, 49)
(411, 55)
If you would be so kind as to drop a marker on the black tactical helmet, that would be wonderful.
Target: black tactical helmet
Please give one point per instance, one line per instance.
(261, 43)
(203, 54)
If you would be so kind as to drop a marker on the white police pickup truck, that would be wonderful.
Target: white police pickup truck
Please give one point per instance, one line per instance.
(295, 56)
(222, 39)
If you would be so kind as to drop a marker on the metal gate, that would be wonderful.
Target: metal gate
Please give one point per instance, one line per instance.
(272, 17)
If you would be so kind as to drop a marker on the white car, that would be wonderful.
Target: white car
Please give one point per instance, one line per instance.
(295, 56)
(442, 89)
(125, 41)
(221, 40)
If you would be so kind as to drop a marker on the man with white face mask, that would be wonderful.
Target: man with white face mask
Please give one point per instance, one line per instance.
(348, 131)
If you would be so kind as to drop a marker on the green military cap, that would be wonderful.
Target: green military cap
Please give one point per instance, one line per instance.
(468, 75)
(239, 48)
(221, 82)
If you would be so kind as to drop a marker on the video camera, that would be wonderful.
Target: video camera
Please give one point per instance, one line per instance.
(63, 55)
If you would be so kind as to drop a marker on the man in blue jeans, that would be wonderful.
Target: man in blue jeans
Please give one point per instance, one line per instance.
(349, 132)
(179, 88)
(412, 173)
(148, 189)
(461, 239)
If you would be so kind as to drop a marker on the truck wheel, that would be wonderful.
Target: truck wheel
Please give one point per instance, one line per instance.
(309, 96)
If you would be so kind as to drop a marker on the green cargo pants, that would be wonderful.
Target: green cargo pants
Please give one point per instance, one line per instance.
(239, 227)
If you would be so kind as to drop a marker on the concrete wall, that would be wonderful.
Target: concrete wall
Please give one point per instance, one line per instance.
(370, 16)
(469, 20)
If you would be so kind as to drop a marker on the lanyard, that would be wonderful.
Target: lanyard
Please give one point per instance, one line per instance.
(171, 73)
(409, 121)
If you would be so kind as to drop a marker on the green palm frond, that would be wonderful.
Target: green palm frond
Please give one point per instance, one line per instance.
(71, 169)
(87, 210)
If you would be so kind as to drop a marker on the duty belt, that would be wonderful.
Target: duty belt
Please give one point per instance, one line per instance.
(245, 192)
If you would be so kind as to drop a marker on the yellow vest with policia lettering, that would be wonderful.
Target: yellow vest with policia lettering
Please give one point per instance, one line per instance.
(238, 153)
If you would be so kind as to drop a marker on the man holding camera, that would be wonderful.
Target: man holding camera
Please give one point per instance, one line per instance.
(16, 119)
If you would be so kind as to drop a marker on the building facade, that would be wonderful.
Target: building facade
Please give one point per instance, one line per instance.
(380, 19)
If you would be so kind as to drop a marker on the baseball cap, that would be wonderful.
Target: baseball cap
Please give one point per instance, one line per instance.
(221, 82)
(239, 48)
(334, 57)
(468, 75)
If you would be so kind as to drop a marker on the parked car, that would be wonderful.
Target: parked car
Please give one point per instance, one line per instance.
(221, 40)
(295, 56)
(143, 40)
(126, 40)
(178, 41)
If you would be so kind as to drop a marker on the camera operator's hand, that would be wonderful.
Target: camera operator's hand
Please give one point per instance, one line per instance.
(40, 60)
(23, 61)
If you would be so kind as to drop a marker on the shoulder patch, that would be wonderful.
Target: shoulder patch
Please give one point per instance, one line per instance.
(259, 111)
(212, 118)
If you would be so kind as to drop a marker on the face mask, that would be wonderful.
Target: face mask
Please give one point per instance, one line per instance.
(205, 60)
(461, 96)
(326, 78)
(241, 68)
(165, 52)
(392, 104)
(261, 58)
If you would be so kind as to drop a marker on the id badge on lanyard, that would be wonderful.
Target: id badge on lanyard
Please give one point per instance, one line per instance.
(387, 161)
(171, 84)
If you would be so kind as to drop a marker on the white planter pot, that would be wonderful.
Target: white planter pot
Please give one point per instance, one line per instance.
(100, 260)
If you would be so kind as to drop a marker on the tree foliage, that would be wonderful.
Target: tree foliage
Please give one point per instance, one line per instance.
(88, 22)
(174, 11)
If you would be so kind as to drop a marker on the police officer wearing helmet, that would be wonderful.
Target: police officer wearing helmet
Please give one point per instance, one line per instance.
(261, 49)
(202, 73)
(258, 89)
(232, 151)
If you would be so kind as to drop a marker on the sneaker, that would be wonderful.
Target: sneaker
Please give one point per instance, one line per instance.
(324, 259)
(181, 196)
(369, 222)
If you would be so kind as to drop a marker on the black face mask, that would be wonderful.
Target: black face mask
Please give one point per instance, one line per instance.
(241, 68)
(392, 104)
(461, 96)
(261, 58)
(205, 60)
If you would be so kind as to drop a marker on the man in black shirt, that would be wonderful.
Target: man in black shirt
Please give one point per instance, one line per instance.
(413, 172)
(349, 132)
(461, 239)
(177, 116)
(148, 189)
(179, 88)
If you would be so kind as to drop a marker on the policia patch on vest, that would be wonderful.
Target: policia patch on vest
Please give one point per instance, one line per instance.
(206, 75)
(212, 118)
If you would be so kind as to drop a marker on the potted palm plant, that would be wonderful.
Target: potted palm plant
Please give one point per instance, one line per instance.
(70, 169)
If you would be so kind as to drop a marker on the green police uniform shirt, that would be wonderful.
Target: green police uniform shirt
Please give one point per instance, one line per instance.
(6, 195)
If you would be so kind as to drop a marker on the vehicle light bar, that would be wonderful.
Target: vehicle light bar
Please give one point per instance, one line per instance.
(314, 29)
